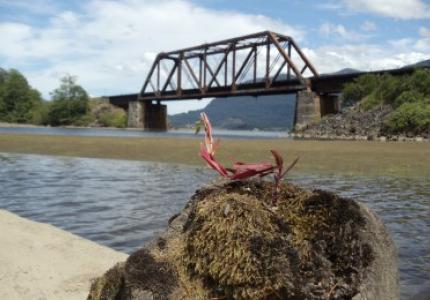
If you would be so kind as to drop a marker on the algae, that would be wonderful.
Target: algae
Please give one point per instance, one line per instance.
(305, 248)
(109, 286)
(229, 242)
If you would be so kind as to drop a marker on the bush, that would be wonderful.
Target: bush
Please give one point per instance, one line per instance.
(69, 103)
(374, 90)
(361, 87)
(388, 89)
(419, 81)
(410, 118)
(408, 97)
(84, 121)
(116, 118)
(39, 115)
(17, 97)
(107, 115)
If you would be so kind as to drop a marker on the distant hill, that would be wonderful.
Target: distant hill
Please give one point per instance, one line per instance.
(346, 71)
(264, 113)
(424, 63)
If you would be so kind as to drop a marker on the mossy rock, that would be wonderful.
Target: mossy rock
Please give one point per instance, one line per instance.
(230, 242)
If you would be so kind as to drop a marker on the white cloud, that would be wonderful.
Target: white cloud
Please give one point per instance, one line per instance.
(423, 45)
(330, 30)
(365, 57)
(424, 32)
(110, 45)
(399, 9)
(369, 26)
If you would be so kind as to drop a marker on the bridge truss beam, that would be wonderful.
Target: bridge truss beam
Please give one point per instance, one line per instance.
(256, 64)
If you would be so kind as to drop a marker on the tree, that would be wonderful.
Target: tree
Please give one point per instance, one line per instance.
(69, 103)
(17, 97)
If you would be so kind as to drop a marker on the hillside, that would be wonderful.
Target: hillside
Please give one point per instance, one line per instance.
(381, 105)
(264, 113)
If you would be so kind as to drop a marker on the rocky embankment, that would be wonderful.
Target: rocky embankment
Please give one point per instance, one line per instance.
(356, 124)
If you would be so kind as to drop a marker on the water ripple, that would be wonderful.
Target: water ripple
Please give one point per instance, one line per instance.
(121, 204)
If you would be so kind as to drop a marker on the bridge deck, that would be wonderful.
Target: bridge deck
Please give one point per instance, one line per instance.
(325, 83)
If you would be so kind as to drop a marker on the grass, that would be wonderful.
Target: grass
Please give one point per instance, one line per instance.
(340, 157)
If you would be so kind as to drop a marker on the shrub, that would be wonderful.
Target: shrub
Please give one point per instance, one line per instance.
(420, 81)
(388, 89)
(17, 97)
(39, 115)
(371, 101)
(361, 87)
(408, 97)
(115, 118)
(410, 118)
(69, 103)
(107, 115)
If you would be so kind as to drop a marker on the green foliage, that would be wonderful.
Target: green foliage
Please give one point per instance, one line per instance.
(413, 118)
(69, 104)
(39, 115)
(17, 98)
(371, 101)
(412, 96)
(374, 90)
(419, 81)
(107, 115)
(117, 118)
(383, 90)
(388, 89)
(361, 87)
(409, 95)
(84, 120)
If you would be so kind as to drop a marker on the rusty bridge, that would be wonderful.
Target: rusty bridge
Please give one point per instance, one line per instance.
(258, 64)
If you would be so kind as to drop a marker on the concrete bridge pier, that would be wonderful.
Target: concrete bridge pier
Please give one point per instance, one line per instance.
(307, 109)
(146, 115)
(310, 107)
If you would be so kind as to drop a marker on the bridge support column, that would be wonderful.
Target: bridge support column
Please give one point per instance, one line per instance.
(135, 114)
(308, 109)
(329, 104)
(147, 116)
(155, 117)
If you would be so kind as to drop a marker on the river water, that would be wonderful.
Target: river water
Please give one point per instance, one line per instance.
(121, 204)
(130, 132)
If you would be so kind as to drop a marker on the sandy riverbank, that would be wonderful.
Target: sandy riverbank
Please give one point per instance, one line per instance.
(40, 261)
(363, 158)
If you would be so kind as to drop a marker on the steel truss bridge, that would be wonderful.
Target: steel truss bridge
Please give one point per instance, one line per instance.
(257, 64)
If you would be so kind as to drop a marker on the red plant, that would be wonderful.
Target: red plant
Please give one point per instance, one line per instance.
(240, 170)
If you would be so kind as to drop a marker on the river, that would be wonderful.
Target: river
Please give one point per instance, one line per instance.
(121, 204)
(134, 132)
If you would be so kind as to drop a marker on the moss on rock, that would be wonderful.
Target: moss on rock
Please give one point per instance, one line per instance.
(229, 242)
(109, 286)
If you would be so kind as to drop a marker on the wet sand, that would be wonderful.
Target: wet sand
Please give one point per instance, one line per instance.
(363, 158)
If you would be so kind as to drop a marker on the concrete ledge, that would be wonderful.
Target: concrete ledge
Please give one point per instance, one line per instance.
(40, 261)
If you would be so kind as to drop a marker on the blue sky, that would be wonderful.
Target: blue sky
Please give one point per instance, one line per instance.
(110, 45)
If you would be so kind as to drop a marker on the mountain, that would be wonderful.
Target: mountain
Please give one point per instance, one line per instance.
(265, 112)
(421, 64)
(274, 112)
(345, 71)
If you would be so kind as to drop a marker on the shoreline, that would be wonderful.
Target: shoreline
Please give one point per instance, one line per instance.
(41, 261)
(345, 157)
(291, 135)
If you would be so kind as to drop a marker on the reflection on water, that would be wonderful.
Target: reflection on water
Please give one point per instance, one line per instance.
(122, 203)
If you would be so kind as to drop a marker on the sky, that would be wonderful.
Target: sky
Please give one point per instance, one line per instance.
(110, 45)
